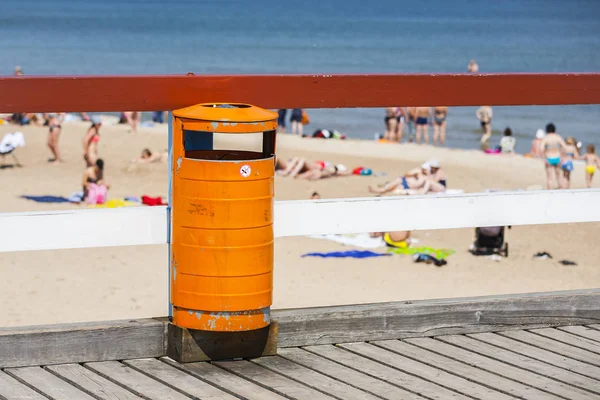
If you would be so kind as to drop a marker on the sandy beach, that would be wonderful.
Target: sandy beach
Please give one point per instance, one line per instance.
(131, 282)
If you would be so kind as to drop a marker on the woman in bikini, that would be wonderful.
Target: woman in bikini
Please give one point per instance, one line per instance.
(54, 131)
(552, 145)
(439, 127)
(94, 175)
(90, 142)
(570, 153)
(391, 123)
(591, 163)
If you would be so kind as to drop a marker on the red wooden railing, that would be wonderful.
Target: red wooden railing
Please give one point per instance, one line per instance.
(152, 93)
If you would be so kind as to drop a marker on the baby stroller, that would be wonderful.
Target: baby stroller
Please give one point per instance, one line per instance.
(489, 240)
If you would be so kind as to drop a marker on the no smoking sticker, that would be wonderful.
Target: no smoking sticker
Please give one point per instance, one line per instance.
(245, 171)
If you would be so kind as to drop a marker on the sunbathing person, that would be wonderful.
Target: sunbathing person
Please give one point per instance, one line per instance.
(436, 177)
(326, 170)
(398, 239)
(416, 180)
(149, 157)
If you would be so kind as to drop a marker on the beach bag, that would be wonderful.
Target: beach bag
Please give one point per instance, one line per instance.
(96, 194)
(305, 119)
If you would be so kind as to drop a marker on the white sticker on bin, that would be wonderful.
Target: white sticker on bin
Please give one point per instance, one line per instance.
(245, 171)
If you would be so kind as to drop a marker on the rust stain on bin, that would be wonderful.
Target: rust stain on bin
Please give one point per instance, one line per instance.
(222, 222)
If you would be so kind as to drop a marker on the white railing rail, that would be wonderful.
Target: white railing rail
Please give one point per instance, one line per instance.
(130, 226)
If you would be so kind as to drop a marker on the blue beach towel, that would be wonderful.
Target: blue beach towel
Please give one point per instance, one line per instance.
(349, 253)
(47, 199)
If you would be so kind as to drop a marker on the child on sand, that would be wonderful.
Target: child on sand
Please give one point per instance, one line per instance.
(570, 153)
(591, 163)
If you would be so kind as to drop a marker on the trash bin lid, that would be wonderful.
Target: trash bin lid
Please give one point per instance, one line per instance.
(226, 112)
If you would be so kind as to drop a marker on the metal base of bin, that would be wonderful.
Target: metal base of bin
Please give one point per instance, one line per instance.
(189, 345)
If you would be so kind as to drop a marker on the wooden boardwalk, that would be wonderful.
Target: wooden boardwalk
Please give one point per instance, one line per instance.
(546, 363)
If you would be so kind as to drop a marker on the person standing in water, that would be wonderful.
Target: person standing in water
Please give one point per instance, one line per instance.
(411, 117)
(570, 153)
(439, 124)
(473, 67)
(591, 163)
(485, 114)
(422, 115)
(552, 146)
(391, 123)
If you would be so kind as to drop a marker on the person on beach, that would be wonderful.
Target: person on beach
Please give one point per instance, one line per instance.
(398, 239)
(422, 115)
(401, 118)
(90, 141)
(325, 170)
(132, 118)
(591, 163)
(485, 114)
(416, 180)
(437, 177)
(54, 131)
(391, 122)
(508, 142)
(439, 124)
(148, 156)
(18, 71)
(569, 154)
(411, 118)
(552, 146)
(95, 187)
(158, 117)
(473, 67)
(296, 121)
(536, 145)
(281, 113)
(315, 196)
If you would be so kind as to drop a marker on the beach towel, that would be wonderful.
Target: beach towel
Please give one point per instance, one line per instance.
(347, 254)
(153, 201)
(362, 240)
(47, 199)
(437, 253)
(116, 203)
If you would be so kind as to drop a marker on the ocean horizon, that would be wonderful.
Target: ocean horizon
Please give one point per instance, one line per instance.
(61, 37)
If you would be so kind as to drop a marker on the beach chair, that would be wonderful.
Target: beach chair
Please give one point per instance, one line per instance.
(9, 144)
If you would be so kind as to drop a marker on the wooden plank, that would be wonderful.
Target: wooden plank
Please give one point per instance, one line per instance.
(396, 320)
(345, 374)
(168, 92)
(383, 214)
(135, 381)
(549, 386)
(380, 371)
(81, 342)
(582, 331)
(127, 226)
(546, 356)
(567, 338)
(507, 357)
(48, 384)
(90, 382)
(432, 374)
(458, 368)
(272, 380)
(176, 378)
(148, 225)
(12, 389)
(313, 379)
(225, 380)
(554, 346)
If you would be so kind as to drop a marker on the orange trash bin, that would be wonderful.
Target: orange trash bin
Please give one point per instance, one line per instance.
(222, 219)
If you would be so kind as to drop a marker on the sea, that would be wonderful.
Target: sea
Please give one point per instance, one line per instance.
(59, 37)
